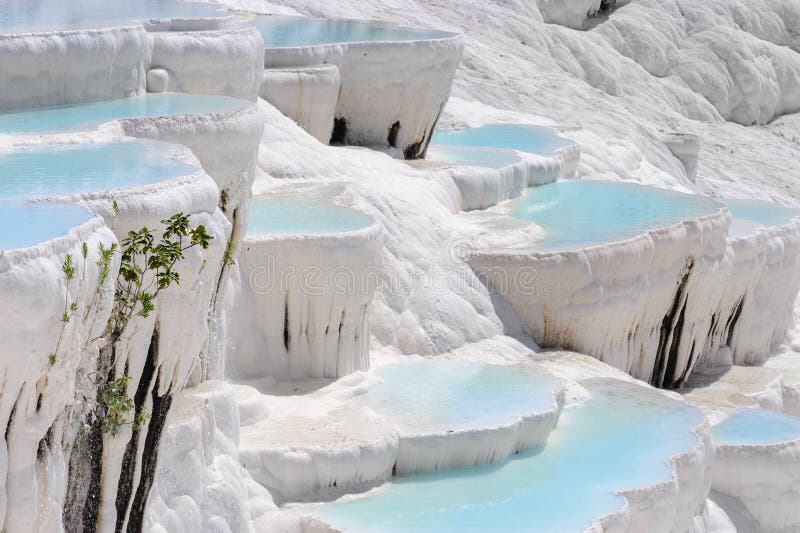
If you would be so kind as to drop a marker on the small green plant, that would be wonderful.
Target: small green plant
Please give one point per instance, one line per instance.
(148, 267)
(115, 404)
(70, 308)
(227, 257)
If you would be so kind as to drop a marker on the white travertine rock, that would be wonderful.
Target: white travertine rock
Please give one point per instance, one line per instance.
(200, 483)
(224, 62)
(755, 312)
(379, 103)
(168, 341)
(158, 81)
(301, 312)
(653, 324)
(315, 445)
(39, 388)
(483, 187)
(67, 67)
(764, 478)
(225, 143)
(685, 147)
(307, 95)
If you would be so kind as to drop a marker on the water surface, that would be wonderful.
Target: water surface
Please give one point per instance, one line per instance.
(750, 215)
(81, 117)
(301, 215)
(59, 170)
(756, 426)
(17, 16)
(285, 32)
(437, 396)
(538, 140)
(470, 156)
(618, 439)
(585, 213)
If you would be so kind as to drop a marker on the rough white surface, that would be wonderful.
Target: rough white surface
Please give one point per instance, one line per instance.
(755, 312)
(642, 287)
(67, 67)
(620, 81)
(225, 62)
(377, 91)
(307, 95)
(685, 147)
(301, 310)
(765, 479)
(483, 187)
(201, 486)
(37, 395)
(315, 445)
(225, 143)
(426, 451)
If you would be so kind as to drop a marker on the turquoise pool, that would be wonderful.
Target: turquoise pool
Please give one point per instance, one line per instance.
(287, 32)
(585, 213)
(618, 439)
(59, 170)
(750, 215)
(30, 223)
(41, 15)
(756, 426)
(538, 140)
(79, 117)
(301, 215)
(441, 396)
(470, 156)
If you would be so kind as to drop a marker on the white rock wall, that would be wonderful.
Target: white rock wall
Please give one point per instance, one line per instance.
(377, 91)
(483, 187)
(755, 311)
(39, 389)
(67, 67)
(643, 288)
(307, 95)
(302, 307)
(225, 62)
(765, 479)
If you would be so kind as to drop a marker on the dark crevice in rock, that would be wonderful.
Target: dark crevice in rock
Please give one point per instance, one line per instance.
(128, 470)
(393, 131)
(286, 337)
(668, 380)
(418, 149)
(670, 337)
(158, 418)
(413, 150)
(84, 482)
(733, 320)
(339, 133)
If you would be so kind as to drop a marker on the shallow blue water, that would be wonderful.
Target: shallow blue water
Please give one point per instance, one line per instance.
(29, 223)
(538, 140)
(42, 15)
(585, 213)
(619, 439)
(452, 395)
(756, 426)
(79, 117)
(749, 215)
(471, 156)
(296, 214)
(56, 170)
(284, 32)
